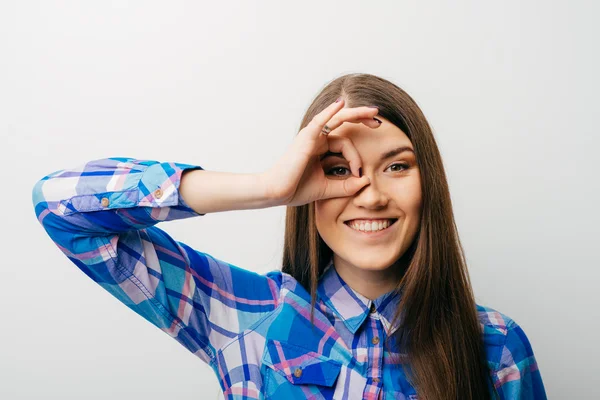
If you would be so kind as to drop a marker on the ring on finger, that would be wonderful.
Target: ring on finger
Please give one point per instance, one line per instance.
(325, 131)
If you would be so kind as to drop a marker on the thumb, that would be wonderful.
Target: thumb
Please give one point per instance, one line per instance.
(346, 187)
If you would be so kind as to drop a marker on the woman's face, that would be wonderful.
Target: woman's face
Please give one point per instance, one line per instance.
(350, 226)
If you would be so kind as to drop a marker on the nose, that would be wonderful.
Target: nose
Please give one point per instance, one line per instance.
(371, 196)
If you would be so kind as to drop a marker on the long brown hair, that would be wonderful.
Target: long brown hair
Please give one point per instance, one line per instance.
(439, 328)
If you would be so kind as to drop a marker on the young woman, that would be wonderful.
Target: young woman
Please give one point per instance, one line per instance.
(374, 299)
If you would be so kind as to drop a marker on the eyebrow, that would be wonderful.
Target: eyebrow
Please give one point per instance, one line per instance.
(383, 157)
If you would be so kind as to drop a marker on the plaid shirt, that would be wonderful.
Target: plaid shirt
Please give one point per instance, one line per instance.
(253, 330)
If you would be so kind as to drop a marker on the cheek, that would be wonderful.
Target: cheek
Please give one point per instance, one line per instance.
(327, 212)
(408, 195)
(407, 199)
(417, 196)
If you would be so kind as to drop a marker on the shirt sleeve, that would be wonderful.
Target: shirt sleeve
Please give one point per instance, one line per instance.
(102, 216)
(518, 376)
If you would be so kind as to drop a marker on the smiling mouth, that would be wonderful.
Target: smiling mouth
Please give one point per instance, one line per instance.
(371, 226)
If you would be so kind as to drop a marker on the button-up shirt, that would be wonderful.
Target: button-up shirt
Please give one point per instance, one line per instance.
(253, 330)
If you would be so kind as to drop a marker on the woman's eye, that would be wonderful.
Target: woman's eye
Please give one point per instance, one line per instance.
(399, 167)
(337, 171)
(343, 171)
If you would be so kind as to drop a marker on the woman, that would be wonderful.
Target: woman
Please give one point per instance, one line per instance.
(374, 300)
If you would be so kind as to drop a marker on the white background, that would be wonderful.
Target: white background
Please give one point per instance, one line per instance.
(510, 88)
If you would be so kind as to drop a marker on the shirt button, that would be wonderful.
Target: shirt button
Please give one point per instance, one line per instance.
(158, 193)
(297, 372)
(376, 380)
(375, 340)
(105, 202)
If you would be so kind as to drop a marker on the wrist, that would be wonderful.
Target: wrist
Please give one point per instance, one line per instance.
(268, 192)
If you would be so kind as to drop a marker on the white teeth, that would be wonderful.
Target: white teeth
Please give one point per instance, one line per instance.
(370, 226)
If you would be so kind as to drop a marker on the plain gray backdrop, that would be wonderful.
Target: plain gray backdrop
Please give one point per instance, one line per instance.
(510, 89)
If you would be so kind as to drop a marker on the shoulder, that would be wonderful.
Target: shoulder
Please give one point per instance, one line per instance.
(288, 287)
(502, 336)
(493, 321)
(287, 282)
(509, 354)
(498, 328)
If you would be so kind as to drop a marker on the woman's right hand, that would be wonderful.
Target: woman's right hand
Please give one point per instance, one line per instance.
(297, 178)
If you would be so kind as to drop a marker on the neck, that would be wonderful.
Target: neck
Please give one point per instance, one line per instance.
(368, 283)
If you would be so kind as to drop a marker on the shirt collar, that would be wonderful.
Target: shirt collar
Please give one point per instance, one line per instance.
(352, 307)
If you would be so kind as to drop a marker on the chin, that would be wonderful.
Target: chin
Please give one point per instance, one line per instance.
(369, 263)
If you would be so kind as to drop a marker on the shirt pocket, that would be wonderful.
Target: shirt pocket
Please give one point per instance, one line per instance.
(292, 372)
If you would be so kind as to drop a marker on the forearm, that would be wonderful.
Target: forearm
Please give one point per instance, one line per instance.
(212, 191)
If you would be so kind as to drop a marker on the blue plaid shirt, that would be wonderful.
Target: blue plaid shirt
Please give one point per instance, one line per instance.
(253, 330)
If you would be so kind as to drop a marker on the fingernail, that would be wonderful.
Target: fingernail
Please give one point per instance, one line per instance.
(373, 107)
(338, 99)
(378, 120)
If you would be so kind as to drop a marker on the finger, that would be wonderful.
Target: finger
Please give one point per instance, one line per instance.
(370, 122)
(345, 187)
(318, 122)
(355, 115)
(305, 148)
(345, 146)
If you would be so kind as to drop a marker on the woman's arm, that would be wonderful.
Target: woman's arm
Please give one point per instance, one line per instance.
(101, 215)
(211, 191)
